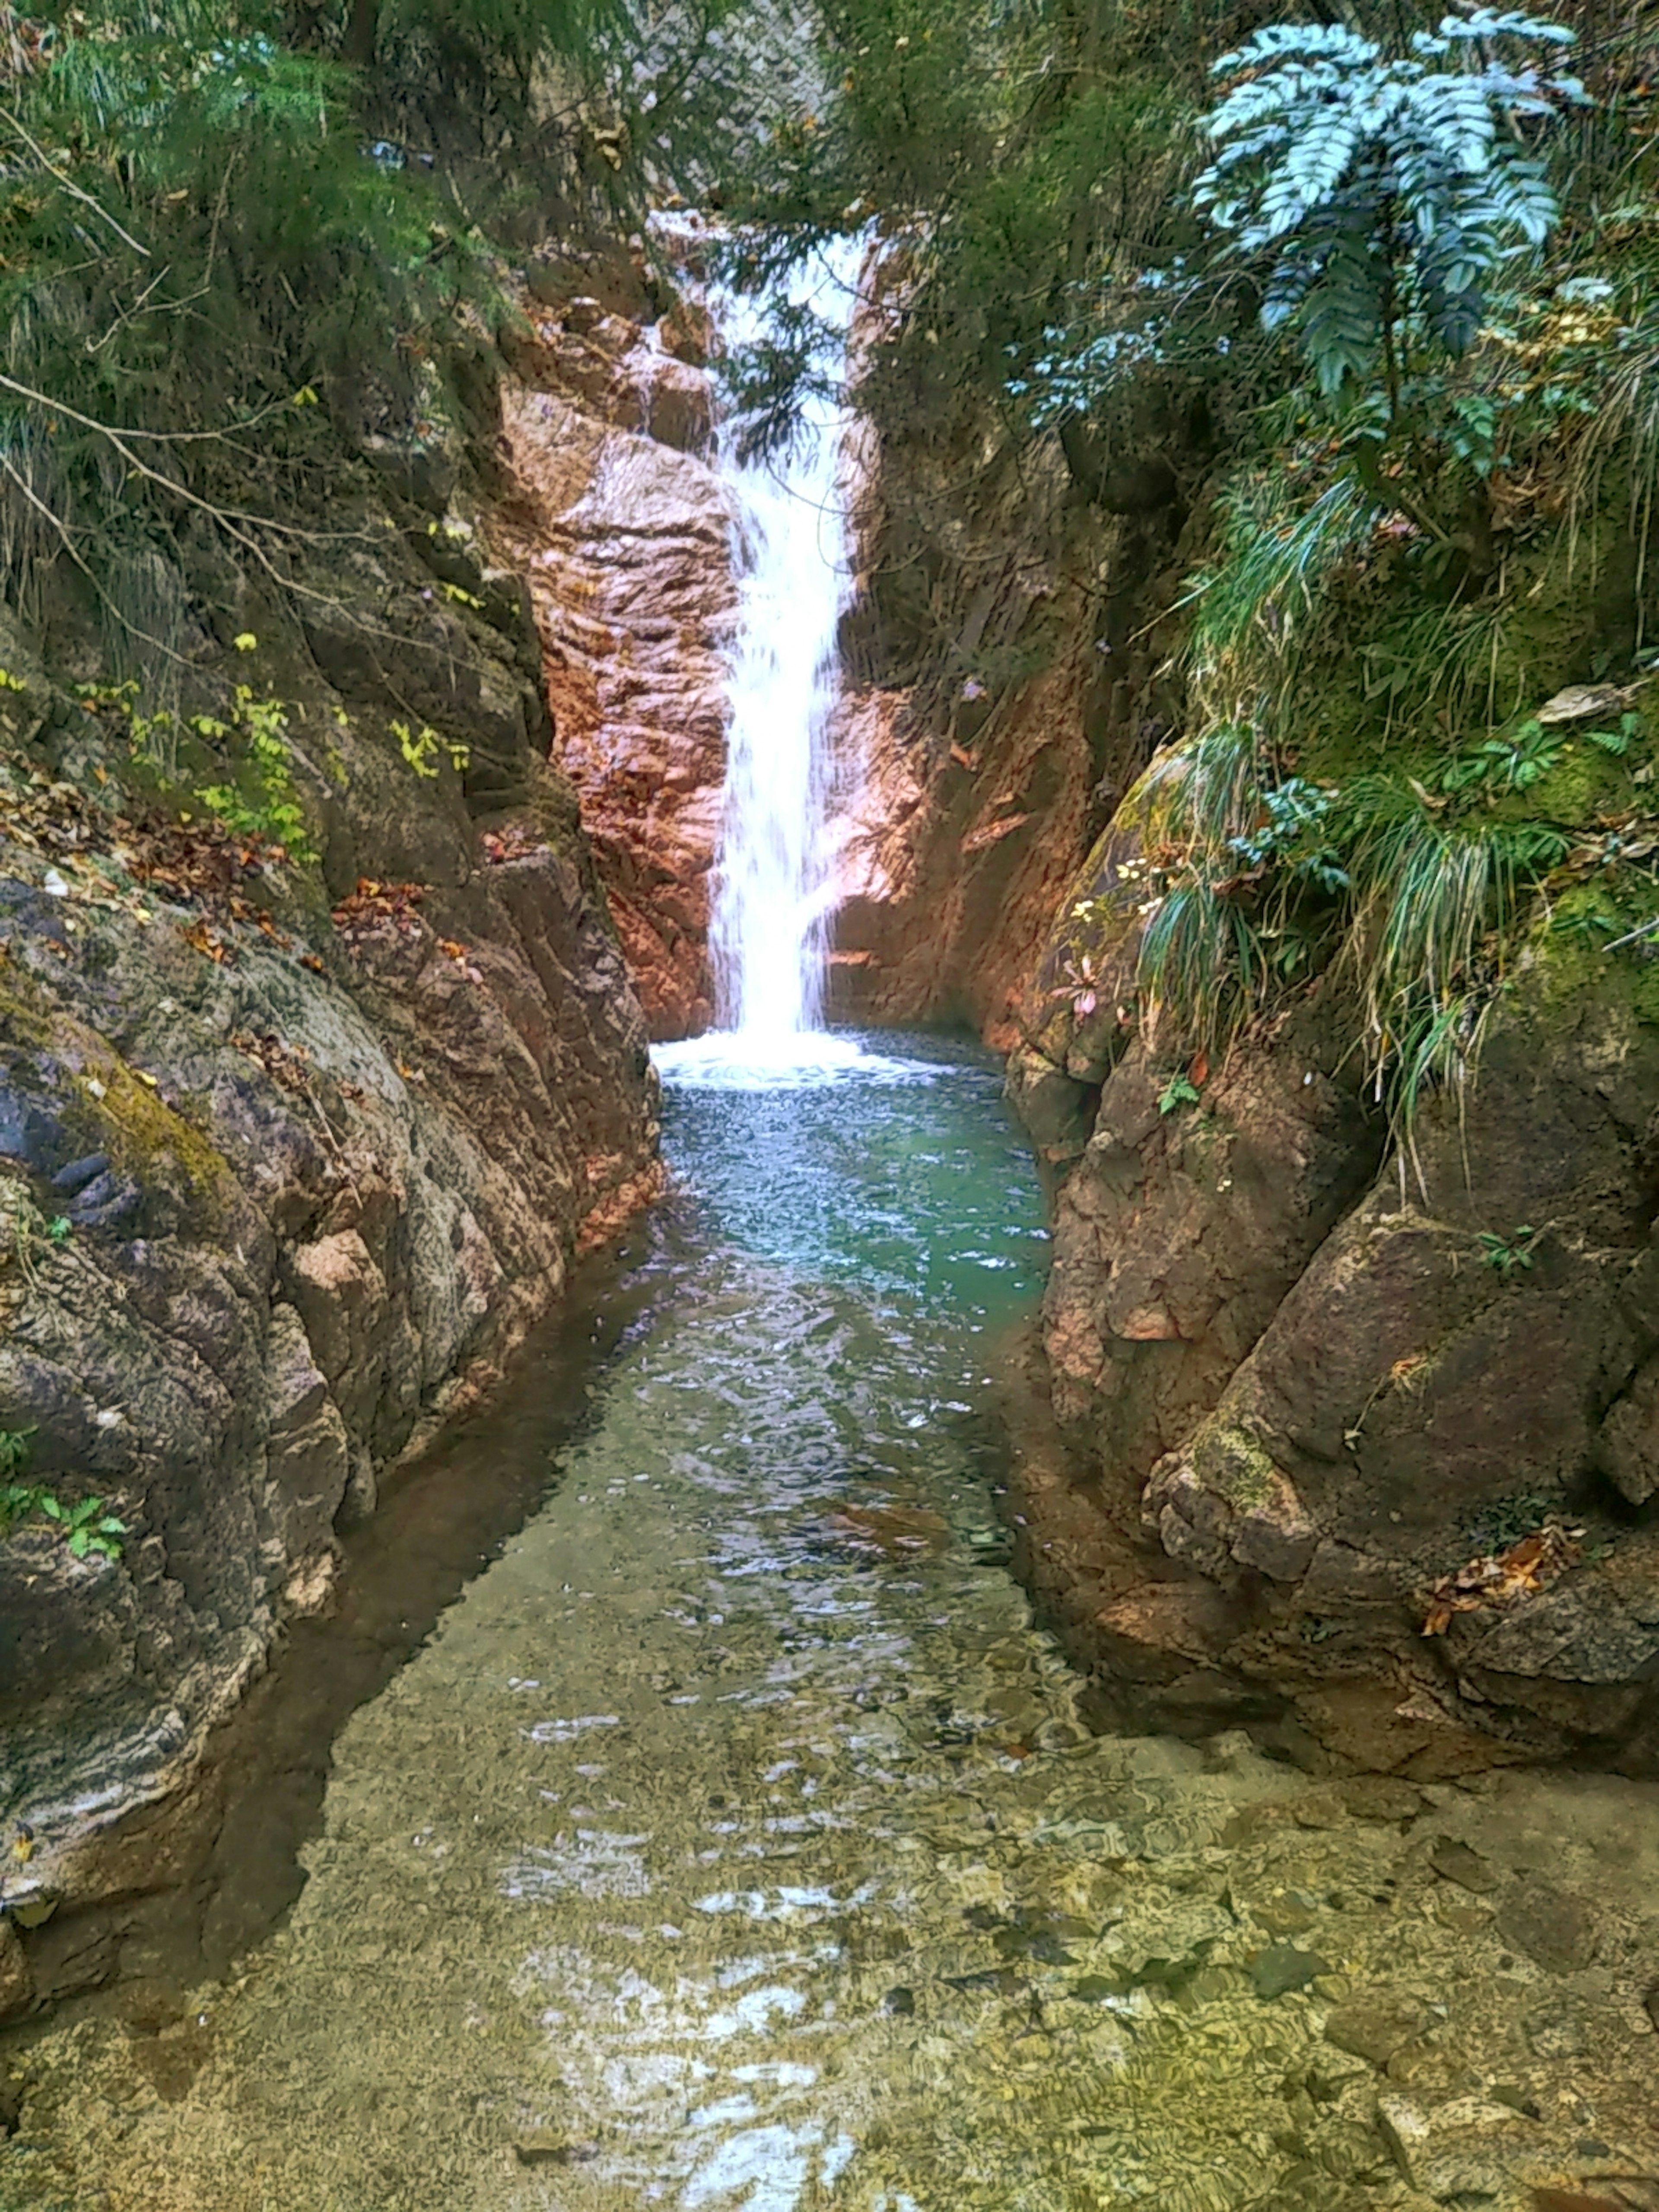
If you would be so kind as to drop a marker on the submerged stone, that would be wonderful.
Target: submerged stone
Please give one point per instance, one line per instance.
(1281, 1968)
(1374, 2025)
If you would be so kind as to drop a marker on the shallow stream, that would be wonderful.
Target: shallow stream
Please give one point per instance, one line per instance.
(735, 1840)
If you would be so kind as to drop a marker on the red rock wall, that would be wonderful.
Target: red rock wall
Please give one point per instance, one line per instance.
(954, 857)
(957, 831)
(630, 577)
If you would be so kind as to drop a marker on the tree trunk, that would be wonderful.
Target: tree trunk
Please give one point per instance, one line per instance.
(363, 33)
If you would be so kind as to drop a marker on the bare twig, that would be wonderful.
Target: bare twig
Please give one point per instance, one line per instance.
(1630, 935)
(69, 185)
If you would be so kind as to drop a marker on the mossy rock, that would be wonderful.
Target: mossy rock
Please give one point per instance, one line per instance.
(1236, 1467)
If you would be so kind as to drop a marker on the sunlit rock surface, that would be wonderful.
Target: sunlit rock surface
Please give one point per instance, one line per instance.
(626, 541)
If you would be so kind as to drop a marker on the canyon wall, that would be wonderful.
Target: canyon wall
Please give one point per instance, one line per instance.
(1336, 1447)
(294, 1149)
(960, 809)
(623, 531)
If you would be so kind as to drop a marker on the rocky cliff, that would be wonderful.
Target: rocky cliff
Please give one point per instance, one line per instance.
(623, 531)
(1354, 1437)
(963, 797)
(295, 1144)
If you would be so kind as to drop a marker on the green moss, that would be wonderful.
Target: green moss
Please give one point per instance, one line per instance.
(1570, 960)
(1644, 983)
(143, 1136)
(1583, 783)
(1239, 1469)
(25, 1018)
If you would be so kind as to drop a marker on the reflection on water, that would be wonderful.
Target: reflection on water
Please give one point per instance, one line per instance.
(735, 1841)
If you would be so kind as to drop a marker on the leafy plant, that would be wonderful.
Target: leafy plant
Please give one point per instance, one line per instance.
(1291, 835)
(1617, 741)
(1504, 1255)
(1279, 549)
(1511, 763)
(420, 748)
(1201, 957)
(85, 1527)
(1388, 188)
(1504, 1520)
(1180, 1090)
(271, 808)
(15, 1445)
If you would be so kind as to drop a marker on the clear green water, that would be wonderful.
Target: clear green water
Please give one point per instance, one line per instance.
(735, 1842)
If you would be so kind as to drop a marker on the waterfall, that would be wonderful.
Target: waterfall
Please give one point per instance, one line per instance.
(773, 884)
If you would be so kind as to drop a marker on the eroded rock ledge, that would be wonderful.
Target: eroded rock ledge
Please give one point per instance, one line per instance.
(1290, 1395)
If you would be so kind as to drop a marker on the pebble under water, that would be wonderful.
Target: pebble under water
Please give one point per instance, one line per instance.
(735, 1840)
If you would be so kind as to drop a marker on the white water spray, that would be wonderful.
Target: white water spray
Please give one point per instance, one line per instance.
(773, 886)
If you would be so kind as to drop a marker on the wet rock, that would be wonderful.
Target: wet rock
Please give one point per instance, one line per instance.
(1350, 2151)
(1375, 2024)
(1283, 1916)
(1096, 1989)
(629, 563)
(1463, 1919)
(1381, 1797)
(1041, 1945)
(1558, 2030)
(79, 1173)
(302, 1250)
(1545, 2198)
(1518, 2100)
(1312, 1402)
(1467, 1867)
(1404, 2129)
(16, 1979)
(1550, 1925)
(171, 2062)
(1282, 1968)
(1628, 1442)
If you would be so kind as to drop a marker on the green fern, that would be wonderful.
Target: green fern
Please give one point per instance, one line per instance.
(1384, 187)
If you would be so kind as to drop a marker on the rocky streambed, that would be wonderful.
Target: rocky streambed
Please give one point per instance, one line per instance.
(739, 1840)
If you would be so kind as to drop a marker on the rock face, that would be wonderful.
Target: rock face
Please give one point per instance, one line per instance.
(1295, 1388)
(951, 859)
(281, 1189)
(624, 533)
(957, 822)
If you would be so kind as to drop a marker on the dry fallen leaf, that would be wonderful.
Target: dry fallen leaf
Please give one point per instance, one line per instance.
(1528, 1565)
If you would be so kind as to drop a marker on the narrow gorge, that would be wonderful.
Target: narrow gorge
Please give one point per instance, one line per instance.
(829, 1112)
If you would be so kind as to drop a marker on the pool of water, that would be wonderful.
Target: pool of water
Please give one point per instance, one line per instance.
(735, 1840)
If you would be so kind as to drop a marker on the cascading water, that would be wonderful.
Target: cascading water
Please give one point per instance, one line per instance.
(773, 891)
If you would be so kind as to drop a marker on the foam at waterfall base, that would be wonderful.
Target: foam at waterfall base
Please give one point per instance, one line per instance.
(804, 1060)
